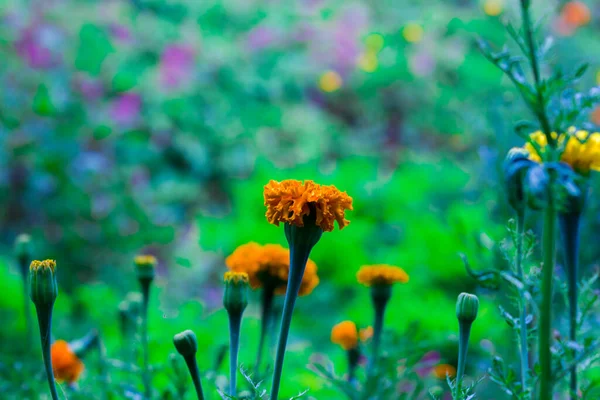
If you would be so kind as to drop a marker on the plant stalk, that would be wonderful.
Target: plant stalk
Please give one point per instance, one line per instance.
(570, 227)
(463, 348)
(380, 295)
(235, 322)
(268, 295)
(146, 377)
(44, 316)
(524, 349)
(192, 365)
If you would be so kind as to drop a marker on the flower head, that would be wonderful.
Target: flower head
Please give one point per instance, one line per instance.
(236, 277)
(365, 333)
(235, 297)
(66, 365)
(441, 371)
(290, 201)
(186, 343)
(581, 150)
(381, 274)
(145, 266)
(345, 334)
(467, 306)
(269, 265)
(42, 282)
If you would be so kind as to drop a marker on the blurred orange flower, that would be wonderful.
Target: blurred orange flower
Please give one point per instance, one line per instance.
(365, 333)
(345, 334)
(381, 274)
(269, 265)
(442, 370)
(66, 365)
(290, 201)
(576, 13)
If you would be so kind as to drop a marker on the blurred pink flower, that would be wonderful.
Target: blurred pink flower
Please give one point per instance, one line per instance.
(120, 32)
(261, 37)
(91, 89)
(427, 362)
(38, 46)
(125, 109)
(176, 66)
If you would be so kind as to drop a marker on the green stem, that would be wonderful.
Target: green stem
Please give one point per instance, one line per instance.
(146, 377)
(298, 259)
(235, 322)
(569, 227)
(192, 365)
(540, 109)
(265, 320)
(463, 347)
(548, 247)
(523, 309)
(380, 295)
(353, 358)
(44, 316)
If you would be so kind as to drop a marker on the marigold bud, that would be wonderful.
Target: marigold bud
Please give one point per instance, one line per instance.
(516, 165)
(145, 267)
(467, 306)
(186, 343)
(235, 298)
(42, 282)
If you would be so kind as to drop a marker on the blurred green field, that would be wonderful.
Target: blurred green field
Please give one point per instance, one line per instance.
(151, 126)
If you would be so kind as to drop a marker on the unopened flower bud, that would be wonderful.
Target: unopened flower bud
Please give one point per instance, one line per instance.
(516, 165)
(186, 343)
(145, 267)
(42, 282)
(467, 306)
(235, 298)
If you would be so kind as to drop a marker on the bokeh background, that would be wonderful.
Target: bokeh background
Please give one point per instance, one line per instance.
(152, 126)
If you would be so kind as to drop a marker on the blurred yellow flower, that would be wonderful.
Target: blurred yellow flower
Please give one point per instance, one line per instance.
(412, 32)
(581, 152)
(269, 265)
(374, 42)
(330, 81)
(368, 62)
(381, 274)
(493, 7)
(290, 201)
(365, 333)
(67, 367)
(442, 370)
(145, 260)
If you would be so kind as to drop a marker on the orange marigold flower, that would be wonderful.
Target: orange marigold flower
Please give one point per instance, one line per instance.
(581, 152)
(381, 274)
(365, 333)
(576, 13)
(345, 334)
(66, 365)
(290, 201)
(442, 370)
(269, 265)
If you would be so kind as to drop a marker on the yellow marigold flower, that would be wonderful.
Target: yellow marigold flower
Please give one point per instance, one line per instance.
(381, 274)
(493, 7)
(290, 201)
(365, 333)
(330, 81)
(582, 150)
(442, 370)
(66, 365)
(345, 334)
(413, 32)
(236, 277)
(270, 265)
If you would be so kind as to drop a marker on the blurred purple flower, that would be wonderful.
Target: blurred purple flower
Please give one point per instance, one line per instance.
(91, 89)
(120, 32)
(261, 37)
(176, 66)
(126, 108)
(422, 63)
(38, 45)
(427, 362)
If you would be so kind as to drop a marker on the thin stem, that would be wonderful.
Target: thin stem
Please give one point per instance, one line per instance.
(44, 316)
(235, 322)
(548, 247)
(265, 321)
(523, 309)
(146, 377)
(570, 227)
(353, 358)
(192, 365)
(463, 348)
(380, 295)
(535, 68)
(298, 259)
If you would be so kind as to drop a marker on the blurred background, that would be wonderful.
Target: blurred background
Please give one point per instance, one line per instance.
(152, 126)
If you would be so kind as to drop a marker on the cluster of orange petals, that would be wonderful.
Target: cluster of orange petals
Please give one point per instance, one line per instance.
(66, 365)
(381, 274)
(573, 15)
(270, 264)
(290, 201)
(441, 371)
(347, 335)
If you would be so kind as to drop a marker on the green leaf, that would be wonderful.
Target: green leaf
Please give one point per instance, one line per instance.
(94, 47)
